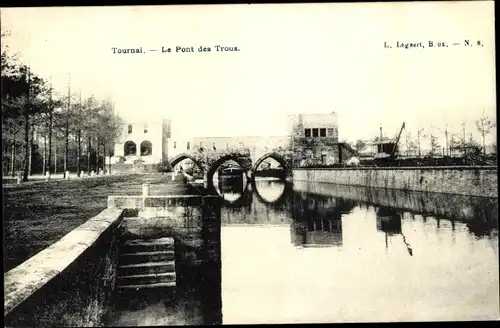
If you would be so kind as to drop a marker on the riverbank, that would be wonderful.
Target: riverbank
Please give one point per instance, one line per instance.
(462, 180)
(38, 214)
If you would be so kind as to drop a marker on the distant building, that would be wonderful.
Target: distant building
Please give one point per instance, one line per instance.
(142, 143)
(312, 139)
(315, 140)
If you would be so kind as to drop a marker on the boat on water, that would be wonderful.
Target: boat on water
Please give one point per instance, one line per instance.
(230, 172)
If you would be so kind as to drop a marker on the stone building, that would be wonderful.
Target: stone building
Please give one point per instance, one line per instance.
(142, 146)
(147, 145)
(315, 140)
(255, 145)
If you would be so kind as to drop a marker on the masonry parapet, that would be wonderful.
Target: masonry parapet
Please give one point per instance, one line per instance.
(70, 282)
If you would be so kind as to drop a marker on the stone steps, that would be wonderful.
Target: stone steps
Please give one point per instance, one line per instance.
(149, 278)
(152, 245)
(144, 268)
(144, 286)
(140, 257)
(146, 264)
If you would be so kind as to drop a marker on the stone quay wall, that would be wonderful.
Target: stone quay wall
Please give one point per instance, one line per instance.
(193, 222)
(462, 180)
(71, 283)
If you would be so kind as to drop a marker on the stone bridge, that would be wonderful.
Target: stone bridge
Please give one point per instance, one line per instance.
(249, 152)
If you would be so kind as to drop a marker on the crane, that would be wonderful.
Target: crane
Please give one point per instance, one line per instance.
(396, 142)
(387, 153)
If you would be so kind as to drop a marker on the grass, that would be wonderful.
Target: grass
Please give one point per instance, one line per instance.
(37, 214)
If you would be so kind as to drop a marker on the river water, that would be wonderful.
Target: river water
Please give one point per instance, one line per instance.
(324, 253)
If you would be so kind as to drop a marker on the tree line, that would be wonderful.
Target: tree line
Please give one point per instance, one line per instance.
(457, 143)
(42, 128)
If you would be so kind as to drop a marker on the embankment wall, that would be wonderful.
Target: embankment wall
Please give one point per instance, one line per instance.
(193, 222)
(71, 283)
(462, 180)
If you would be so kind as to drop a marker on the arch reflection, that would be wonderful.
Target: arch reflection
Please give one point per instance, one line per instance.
(271, 192)
(235, 191)
(260, 203)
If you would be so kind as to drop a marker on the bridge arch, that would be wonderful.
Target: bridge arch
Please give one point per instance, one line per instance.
(274, 155)
(238, 159)
(213, 168)
(179, 158)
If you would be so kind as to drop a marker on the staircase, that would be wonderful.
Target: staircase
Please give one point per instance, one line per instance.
(146, 263)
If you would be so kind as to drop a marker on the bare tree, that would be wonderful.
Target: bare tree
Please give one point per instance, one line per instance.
(412, 147)
(24, 103)
(360, 145)
(91, 110)
(107, 130)
(484, 125)
(434, 145)
(455, 143)
(463, 139)
(447, 143)
(419, 135)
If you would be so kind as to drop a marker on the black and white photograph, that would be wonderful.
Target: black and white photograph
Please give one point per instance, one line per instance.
(167, 165)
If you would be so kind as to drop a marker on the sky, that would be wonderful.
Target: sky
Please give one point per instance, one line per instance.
(293, 58)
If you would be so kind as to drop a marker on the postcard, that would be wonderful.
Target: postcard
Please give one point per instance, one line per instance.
(249, 164)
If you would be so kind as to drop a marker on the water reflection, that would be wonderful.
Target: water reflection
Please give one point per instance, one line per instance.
(412, 253)
(270, 192)
(317, 220)
(389, 222)
(235, 193)
(314, 212)
(479, 213)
